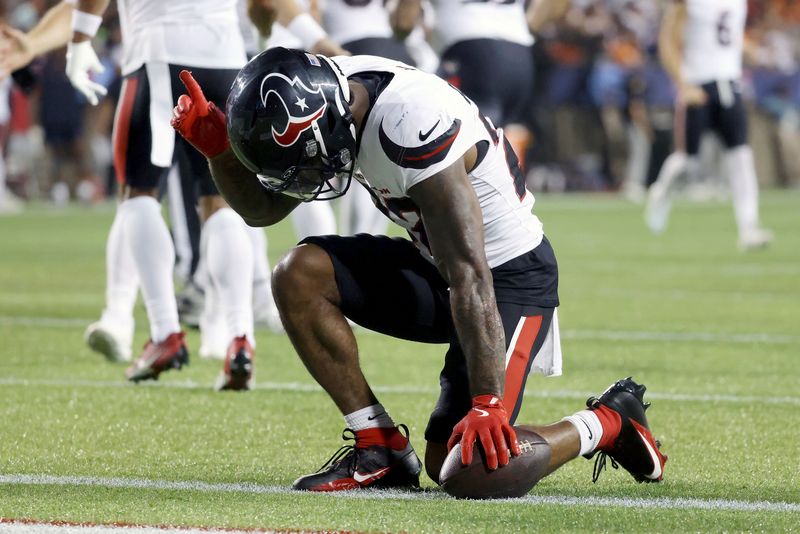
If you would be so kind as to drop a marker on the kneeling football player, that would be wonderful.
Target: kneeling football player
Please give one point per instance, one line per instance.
(477, 273)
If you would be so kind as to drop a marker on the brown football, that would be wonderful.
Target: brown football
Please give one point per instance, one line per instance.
(476, 481)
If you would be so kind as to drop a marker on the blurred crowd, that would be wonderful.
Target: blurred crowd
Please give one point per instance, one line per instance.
(602, 116)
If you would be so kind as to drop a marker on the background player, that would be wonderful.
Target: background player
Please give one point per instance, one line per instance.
(701, 45)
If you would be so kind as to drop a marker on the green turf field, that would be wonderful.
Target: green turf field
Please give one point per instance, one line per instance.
(713, 333)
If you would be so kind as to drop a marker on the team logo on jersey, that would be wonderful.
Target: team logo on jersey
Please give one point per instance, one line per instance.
(303, 106)
(419, 157)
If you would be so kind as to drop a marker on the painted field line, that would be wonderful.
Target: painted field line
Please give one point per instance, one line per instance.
(671, 503)
(32, 526)
(301, 387)
(581, 334)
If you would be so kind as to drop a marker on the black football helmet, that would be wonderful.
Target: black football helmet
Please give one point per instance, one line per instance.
(290, 123)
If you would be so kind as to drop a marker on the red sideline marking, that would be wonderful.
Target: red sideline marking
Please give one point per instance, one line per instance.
(89, 524)
(518, 362)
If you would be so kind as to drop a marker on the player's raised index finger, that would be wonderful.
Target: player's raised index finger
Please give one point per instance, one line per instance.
(196, 94)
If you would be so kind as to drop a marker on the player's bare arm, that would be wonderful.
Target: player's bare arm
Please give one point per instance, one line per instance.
(454, 226)
(51, 32)
(542, 12)
(242, 191)
(405, 16)
(302, 24)
(670, 49)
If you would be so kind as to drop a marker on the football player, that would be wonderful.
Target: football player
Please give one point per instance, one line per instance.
(159, 40)
(477, 272)
(486, 51)
(701, 44)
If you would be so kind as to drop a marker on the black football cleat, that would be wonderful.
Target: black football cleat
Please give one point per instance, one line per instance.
(376, 466)
(635, 448)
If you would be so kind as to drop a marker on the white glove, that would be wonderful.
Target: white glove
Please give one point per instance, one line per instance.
(81, 60)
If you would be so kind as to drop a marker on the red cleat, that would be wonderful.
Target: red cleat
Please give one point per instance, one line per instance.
(159, 357)
(237, 374)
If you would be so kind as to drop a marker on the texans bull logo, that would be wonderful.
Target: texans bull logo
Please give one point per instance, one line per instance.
(296, 99)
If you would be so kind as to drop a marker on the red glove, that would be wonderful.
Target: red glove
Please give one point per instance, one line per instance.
(487, 421)
(199, 121)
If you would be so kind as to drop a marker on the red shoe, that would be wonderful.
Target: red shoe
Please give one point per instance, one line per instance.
(237, 374)
(157, 358)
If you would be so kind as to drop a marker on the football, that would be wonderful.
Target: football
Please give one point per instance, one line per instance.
(476, 481)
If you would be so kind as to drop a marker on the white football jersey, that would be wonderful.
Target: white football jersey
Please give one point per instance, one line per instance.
(418, 126)
(713, 40)
(195, 33)
(349, 20)
(460, 20)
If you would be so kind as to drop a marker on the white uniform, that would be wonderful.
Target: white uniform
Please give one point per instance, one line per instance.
(457, 21)
(418, 126)
(349, 20)
(713, 40)
(195, 33)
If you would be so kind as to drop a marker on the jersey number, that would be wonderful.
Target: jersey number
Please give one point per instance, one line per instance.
(724, 29)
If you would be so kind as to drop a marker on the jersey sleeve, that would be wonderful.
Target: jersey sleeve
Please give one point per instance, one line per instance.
(425, 132)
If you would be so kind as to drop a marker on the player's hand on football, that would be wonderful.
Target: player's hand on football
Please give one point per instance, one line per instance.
(82, 61)
(692, 95)
(487, 421)
(199, 121)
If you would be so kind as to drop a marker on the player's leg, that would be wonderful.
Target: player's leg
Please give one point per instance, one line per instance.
(144, 232)
(265, 312)
(112, 335)
(731, 124)
(357, 213)
(228, 252)
(313, 218)
(690, 123)
(382, 284)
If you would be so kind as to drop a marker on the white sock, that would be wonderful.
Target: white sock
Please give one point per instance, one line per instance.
(744, 187)
(659, 197)
(122, 280)
(229, 259)
(154, 255)
(358, 213)
(262, 277)
(589, 428)
(313, 218)
(374, 416)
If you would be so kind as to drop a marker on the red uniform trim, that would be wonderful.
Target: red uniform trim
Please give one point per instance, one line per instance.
(517, 365)
(122, 127)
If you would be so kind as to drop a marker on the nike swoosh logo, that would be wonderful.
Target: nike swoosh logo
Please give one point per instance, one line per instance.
(424, 136)
(372, 417)
(483, 413)
(656, 474)
(358, 477)
(587, 428)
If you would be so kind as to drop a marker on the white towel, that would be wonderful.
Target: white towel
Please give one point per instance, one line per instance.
(161, 104)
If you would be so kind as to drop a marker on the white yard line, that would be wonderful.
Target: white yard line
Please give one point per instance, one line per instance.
(536, 500)
(300, 387)
(582, 334)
